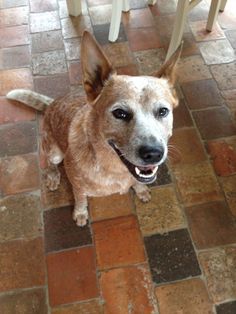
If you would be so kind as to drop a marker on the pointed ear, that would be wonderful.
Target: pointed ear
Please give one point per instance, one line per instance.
(168, 69)
(95, 66)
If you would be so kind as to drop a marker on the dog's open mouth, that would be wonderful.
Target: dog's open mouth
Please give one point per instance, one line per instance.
(144, 174)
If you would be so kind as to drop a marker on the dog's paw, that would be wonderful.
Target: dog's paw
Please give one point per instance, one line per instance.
(144, 195)
(53, 180)
(80, 217)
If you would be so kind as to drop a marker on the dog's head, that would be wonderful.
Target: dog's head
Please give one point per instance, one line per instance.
(133, 114)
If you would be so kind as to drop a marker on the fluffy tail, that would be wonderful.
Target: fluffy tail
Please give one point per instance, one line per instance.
(31, 99)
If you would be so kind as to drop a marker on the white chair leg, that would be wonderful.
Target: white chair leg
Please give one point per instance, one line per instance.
(125, 7)
(222, 5)
(213, 13)
(177, 34)
(115, 20)
(74, 7)
(152, 2)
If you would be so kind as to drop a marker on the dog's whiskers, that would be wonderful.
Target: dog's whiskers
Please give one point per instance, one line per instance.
(174, 152)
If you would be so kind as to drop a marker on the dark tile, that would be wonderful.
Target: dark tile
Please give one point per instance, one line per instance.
(20, 216)
(14, 16)
(101, 33)
(211, 225)
(43, 5)
(15, 57)
(27, 302)
(14, 36)
(46, 21)
(61, 231)
(231, 35)
(143, 38)
(46, 41)
(75, 26)
(226, 308)
(17, 139)
(201, 94)
(163, 176)
(182, 116)
(49, 63)
(171, 256)
(12, 3)
(52, 86)
(207, 120)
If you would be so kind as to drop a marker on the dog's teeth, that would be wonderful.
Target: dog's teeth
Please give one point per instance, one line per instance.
(137, 171)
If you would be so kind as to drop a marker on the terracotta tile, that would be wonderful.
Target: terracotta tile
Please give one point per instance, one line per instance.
(206, 121)
(225, 75)
(190, 46)
(192, 69)
(138, 18)
(122, 234)
(119, 49)
(189, 146)
(75, 26)
(117, 287)
(14, 16)
(27, 302)
(208, 91)
(14, 36)
(223, 154)
(22, 264)
(90, 307)
(17, 139)
(12, 3)
(46, 21)
(101, 33)
(143, 38)
(163, 176)
(211, 225)
(219, 268)
(13, 111)
(12, 79)
(165, 23)
(149, 60)
(76, 282)
(59, 198)
(61, 231)
(231, 35)
(201, 34)
(43, 5)
(226, 308)
(49, 63)
(20, 217)
(15, 57)
(72, 48)
(18, 174)
(46, 41)
(188, 296)
(171, 256)
(161, 214)
(229, 187)
(215, 52)
(197, 184)
(75, 73)
(112, 206)
(128, 70)
(230, 99)
(52, 86)
(182, 116)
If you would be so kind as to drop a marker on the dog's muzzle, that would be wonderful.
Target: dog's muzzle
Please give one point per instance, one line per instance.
(144, 174)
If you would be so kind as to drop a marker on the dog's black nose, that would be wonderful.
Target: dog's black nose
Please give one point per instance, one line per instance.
(151, 154)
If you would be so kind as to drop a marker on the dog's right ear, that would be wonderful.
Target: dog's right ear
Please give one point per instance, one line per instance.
(95, 66)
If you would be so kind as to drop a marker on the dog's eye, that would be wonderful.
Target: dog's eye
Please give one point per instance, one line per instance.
(163, 112)
(122, 114)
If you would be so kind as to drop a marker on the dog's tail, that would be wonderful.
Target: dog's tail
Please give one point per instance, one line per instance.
(31, 99)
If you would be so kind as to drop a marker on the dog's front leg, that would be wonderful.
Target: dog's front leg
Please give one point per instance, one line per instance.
(142, 192)
(80, 212)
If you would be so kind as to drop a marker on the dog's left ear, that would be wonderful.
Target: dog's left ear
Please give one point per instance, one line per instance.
(95, 66)
(168, 69)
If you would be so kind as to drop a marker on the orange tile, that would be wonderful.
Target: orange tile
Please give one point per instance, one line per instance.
(118, 242)
(14, 36)
(90, 307)
(143, 38)
(14, 16)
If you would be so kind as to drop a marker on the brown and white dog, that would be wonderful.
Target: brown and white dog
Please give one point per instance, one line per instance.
(115, 140)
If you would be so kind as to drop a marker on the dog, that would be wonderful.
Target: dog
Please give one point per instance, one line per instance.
(117, 138)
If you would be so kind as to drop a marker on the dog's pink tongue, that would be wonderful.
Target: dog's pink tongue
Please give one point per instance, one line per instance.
(146, 168)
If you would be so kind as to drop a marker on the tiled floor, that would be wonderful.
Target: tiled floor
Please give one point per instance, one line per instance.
(176, 254)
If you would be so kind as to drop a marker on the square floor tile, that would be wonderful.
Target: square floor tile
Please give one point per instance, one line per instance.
(125, 288)
(72, 48)
(219, 267)
(14, 57)
(231, 35)
(14, 16)
(101, 14)
(163, 176)
(12, 3)
(201, 34)
(18, 139)
(171, 256)
(207, 120)
(90, 307)
(19, 174)
(112, 206)
(226, 308)
(182, 117)
(188, 296)
(211, 224)
(20, 216)
(160, 215)
(14, 36)
(49, 63)
(119, 49)
(138, 18)
(122, 234)
(76, 282)
(206, 89)
(27, 302)
(75, 72)
(229, 187)
(43, 5)
(61, 231)
(101, 33)
(46, 21)
(46, 41)
(22, 264)
(225, 75)
(143, 38)
(197, 184)
(230, 98)
(150, 60)
(75, 26)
